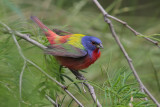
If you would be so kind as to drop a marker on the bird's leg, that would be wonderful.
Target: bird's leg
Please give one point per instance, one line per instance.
(60, 72)
(64, 87)
(80, 77)
(60, 68)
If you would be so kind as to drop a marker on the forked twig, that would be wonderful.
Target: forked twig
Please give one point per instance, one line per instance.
(107, 20)
(131, 29)
(90, 87)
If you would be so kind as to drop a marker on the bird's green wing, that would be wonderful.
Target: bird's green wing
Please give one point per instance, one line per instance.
(65, 50)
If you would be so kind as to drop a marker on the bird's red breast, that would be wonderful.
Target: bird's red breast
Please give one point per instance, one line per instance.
(79, 63)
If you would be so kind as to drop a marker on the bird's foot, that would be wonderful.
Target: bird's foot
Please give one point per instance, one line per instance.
(64, 87)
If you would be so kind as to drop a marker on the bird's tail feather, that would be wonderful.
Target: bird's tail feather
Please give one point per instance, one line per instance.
(39, 23)
(49, 33)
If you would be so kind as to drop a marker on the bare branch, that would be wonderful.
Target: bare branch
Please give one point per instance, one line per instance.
(23, 68)
(26, 37)
(90, 87)
(122, 22)
(20, 80)
(123, 50)
(52, 101)
(131, 29)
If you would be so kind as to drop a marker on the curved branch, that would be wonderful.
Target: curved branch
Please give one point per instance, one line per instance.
(129, 60)
(24, 36)
(90, 87)
(133, 30)
(123, 22)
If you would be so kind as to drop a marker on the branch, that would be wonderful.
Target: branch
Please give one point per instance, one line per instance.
(90, 87)
(23, 68)
(133, 30)
(26, 37)
(124, 51)
(124, 23)
(52, 101)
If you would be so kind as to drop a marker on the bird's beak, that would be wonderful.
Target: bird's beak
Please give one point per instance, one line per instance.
(100, 46)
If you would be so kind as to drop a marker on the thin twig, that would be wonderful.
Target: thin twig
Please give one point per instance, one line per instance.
(124, 52)
(123, 22)
(23, 68)
(20, 80)
(26, 37)
(133, 30)
(83, 87)
(90, 87)
(62, 86)
(52, 101)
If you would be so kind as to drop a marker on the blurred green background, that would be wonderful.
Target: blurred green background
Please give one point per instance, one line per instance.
(77, 16)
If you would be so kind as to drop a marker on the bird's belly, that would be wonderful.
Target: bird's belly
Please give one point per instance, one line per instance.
(75, 63)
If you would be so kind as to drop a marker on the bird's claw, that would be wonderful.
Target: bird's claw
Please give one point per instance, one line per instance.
(64, 87)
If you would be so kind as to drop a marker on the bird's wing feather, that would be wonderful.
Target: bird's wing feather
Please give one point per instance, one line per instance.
(65, 50)
(61, 33)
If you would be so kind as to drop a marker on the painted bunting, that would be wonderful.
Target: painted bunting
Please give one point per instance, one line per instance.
(74, 51)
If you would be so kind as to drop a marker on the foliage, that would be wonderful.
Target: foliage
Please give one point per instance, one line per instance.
(121, 93)
(114, 82)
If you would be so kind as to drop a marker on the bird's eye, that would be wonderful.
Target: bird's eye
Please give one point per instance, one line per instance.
(93, 42)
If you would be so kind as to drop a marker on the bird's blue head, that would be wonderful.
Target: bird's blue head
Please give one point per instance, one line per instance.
(91, 43)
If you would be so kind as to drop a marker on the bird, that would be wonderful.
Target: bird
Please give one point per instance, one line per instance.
(74, 51)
